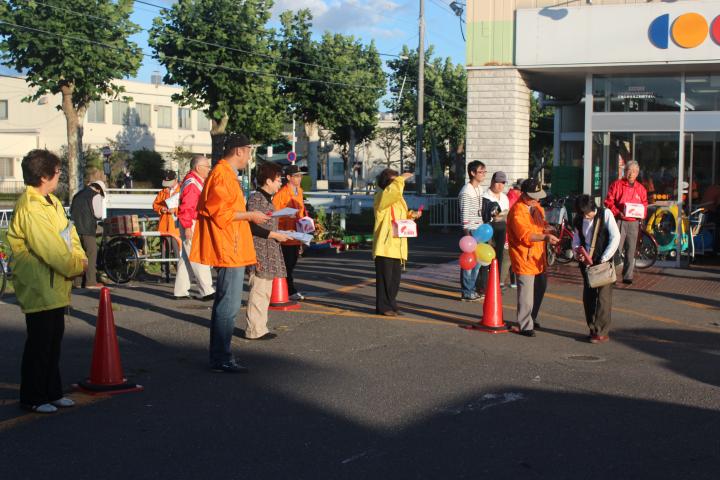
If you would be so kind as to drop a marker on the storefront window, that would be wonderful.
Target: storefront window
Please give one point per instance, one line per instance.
(702, 93)
(657, 154)
(636, 94)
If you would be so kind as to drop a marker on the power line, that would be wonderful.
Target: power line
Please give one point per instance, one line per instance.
(183, 60)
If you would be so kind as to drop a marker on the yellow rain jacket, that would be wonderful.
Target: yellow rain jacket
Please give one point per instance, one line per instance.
(42, 264)
(388, 202)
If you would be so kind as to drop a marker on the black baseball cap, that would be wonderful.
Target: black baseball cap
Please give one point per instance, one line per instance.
(236, 140)
(293, 170)
(169, 178)
(532, 189)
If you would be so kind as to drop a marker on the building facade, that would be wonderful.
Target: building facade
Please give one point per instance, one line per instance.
(631, 80)
(150, 120)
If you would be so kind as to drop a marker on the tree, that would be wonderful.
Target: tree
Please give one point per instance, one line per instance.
(388, 139)
(541, 134)
(225, 60)
(63, 51)
(351, 95)
(444, 105)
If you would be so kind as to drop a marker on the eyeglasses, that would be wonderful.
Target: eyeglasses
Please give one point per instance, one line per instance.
(480, 171)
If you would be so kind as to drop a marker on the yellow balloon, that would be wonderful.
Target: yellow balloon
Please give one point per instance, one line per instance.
(484, 253)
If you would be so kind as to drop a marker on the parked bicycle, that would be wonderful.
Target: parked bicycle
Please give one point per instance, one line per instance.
(556, 215)
(5, 273)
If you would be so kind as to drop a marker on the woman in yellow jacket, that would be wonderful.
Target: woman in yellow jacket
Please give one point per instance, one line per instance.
(389, 252)
(46, 256)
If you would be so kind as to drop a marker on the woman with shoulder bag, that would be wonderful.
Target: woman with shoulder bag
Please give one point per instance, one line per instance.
(595, 241)
(389, 251)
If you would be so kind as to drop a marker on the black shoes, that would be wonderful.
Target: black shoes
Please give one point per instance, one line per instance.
(206, 298)
(526, 333)
(230, 367)
(627, 281)
(267, 336)
(182, 297)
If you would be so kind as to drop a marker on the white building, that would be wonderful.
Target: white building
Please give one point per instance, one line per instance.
(149, 120)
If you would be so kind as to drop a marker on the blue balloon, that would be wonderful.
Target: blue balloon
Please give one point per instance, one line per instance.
(483, 233)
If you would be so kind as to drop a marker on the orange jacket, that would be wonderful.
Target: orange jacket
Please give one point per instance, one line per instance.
(526, 257)
(286, 198)
(219, 239)
(167, 220)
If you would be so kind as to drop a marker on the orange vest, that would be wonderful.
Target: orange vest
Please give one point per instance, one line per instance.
(526, 257)
(219, 239)
(285, 198)
(167, 220)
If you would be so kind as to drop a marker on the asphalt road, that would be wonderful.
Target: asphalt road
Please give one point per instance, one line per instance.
(343, 393)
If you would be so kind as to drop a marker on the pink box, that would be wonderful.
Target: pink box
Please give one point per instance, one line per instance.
(305, 225)
(635, 210)
(404, 229)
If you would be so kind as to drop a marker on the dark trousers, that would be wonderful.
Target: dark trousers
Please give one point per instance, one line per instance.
(89, 278)
(290, 255)
(40, 372)
(387, 283)
(598, 305)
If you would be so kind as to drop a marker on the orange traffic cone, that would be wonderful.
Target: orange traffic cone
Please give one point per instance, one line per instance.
(279, 300)
(492, 319)
(106, 374)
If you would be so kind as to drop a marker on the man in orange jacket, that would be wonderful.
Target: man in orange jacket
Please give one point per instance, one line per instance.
(222, 239)
(291, 196)
(166, 225)
(527, 233)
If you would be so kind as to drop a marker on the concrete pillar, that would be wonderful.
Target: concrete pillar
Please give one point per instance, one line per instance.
(498, 121)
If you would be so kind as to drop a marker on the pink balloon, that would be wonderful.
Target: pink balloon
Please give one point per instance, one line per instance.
(468, 244)
(468, 260)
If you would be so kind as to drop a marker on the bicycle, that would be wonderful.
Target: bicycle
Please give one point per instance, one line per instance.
(556, 216)
(5, 273)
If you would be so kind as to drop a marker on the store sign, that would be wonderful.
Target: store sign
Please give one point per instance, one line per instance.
(618, 34)
(689, 30)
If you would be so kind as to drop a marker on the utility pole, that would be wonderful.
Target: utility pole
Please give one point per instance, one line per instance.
(420, 160)
(402, 145)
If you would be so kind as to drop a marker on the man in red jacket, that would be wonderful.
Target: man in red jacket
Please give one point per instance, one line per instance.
(190, 190)
(621, 192)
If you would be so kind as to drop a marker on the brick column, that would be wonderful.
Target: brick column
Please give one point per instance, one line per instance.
(498, 121)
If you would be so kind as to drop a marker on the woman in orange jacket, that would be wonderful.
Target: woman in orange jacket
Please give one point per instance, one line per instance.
(291, 196)
(166, 224)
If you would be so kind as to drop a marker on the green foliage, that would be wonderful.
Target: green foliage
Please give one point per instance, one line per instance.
(541, 133)
(230, 78)
(147, 166)
(182, 157)
(350, 107)
(444, 105)
(57, 50)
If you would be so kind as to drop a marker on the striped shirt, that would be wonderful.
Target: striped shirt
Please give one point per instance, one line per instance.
(470, 207)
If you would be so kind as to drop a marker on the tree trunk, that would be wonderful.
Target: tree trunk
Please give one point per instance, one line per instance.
(312, 130)
(350, 164)
(217, 136)
(72, 124)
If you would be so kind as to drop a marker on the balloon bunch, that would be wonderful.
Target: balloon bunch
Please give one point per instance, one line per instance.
(475, 248)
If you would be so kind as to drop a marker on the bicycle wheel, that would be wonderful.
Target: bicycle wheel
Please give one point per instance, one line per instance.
(120, 258)
(647, 251)
(564, 250)
(551, 254)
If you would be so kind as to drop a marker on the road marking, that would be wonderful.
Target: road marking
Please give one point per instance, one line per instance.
(350, 288)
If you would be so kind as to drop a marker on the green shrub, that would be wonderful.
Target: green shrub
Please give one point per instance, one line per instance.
(147, 166)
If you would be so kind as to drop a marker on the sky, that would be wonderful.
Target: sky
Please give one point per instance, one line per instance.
(391, 24)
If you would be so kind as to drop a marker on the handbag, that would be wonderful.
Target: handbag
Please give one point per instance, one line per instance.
(403, 228)
(603, 273)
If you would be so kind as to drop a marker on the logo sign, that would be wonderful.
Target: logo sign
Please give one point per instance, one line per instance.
(686, 31)
(291, 156)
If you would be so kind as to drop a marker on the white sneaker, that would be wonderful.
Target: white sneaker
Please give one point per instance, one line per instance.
(63, 403)
(297, 296)
(44, 408)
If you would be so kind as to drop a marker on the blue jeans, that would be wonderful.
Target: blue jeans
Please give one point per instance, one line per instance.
(228, 299)
(469, 280)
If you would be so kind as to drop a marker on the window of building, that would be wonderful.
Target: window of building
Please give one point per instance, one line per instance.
(338, 170)
(6, 167)
(204, 123)
(142, 114)
(636, 94)
(3, 109)
(702, 93)
(164, 117)
(120, 113)
(184, 118)
(96, 112)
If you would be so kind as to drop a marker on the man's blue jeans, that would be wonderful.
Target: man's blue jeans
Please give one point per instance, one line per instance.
(469, 280)
(228, 299)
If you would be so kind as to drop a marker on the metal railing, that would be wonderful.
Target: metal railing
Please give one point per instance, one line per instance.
(11, 187)
(444, 212)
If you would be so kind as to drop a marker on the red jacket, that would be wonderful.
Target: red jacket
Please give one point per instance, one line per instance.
(190, 190)
(620, 193)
